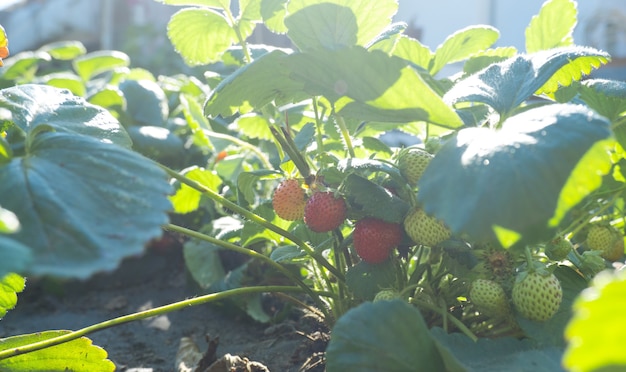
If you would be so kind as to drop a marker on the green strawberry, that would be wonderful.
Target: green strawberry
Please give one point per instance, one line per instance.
(386, 295)
(425, 229)
(489, 298)
(324, 212)
(607, 240)
(412, 162)
(557, 249)
(289, 200)
(537, 295)
(374, 239)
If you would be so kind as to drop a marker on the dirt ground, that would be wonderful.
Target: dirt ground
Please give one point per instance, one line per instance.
(154, 279)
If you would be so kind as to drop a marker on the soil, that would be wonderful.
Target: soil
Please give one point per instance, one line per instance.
(158, 278)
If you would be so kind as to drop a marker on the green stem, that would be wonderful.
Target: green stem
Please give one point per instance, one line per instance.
(240, 39)
(243, 144)
(251, 253)
(320, 128)
(462, 327)
(346, 135)
(142, 315)
(255, 218)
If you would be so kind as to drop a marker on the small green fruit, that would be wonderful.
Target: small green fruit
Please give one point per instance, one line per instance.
(425, 229)
(537, 295)
(412, 163)
(558, 249)
(606, 239)
(489, 298)
(386, 295)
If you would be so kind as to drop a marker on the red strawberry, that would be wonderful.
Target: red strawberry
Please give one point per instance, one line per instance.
(374, 239)
(289, 200)
(324, 212)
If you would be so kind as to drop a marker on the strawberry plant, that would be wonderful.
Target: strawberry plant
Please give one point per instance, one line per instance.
(413, 257)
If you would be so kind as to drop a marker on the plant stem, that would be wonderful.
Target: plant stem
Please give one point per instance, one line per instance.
(244, 144)
(319, 139)
(346, 135)
(240, 39)
(462, 327)
(142, 315)
(256, 219)
(251, 253)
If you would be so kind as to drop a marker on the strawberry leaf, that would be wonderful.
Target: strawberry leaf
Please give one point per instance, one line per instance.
(91, 64)
(552, 27)
(459, 350)
(606, 97)
(382, 336)
(16, 257)
(597, 312)
(521, 179)
(462, 44)
(505, 85)
(372, 200)
(76, 355)
(10, 285)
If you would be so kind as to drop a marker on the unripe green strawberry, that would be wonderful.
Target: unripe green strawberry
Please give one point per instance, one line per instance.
(289, 200)
(425, 229)
(412, 162)
(537, 295)
(607, 240)
(324, 212)
(557, 249)
(489, 298)
(386, 295)
(374, 239)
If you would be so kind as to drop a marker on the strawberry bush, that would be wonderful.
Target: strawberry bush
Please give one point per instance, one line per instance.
(498, 241)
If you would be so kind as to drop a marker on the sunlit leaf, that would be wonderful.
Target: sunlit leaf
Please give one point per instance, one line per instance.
(94, 63)
(221, 4)
(552, 27)
(10, 285)
(595, 334)
(462, 44)
(76, 355)
(273, 13)
(187, 199)
(607, 97)
(64, 50)
(200, 35)
(65, 80)
(323, 25)
(23, 65)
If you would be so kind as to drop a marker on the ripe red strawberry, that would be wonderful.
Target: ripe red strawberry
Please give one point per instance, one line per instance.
(374, 239)
(289, 200)
(537, 295)
(324, 212)
(412, 162)
(425, 229)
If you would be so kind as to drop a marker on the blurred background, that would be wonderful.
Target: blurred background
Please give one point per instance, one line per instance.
(138, 27)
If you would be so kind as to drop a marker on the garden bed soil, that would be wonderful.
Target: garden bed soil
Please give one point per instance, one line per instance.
(154, 279)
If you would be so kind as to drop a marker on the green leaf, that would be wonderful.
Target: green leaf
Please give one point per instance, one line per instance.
(16, 257)
(157, 143)
(76, 355)
(254, 126)
(462, 44)
(485, 58)
(273, 13)
(413, 51)
(382, 336)
(6, 152)
(247, 182)
(374, 201)
(146, 102)
(10, 285)
(187, 199)
(109, 98)
(250, 10)
(596, 332)
(65, 80)
(83, 204)
(370, 85)
(324, 25)
(254, 85)
(288, 254)
(372, 17)
(200, 35)
(8, 222)
(521, 178)
(23, 65)
(505, 85)
(94, 63)
(64, 50)
(501, 354)
(196, 120)
(607, 97)
(552, 27)
(203, 261)
(62, 111)
(365, 280)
